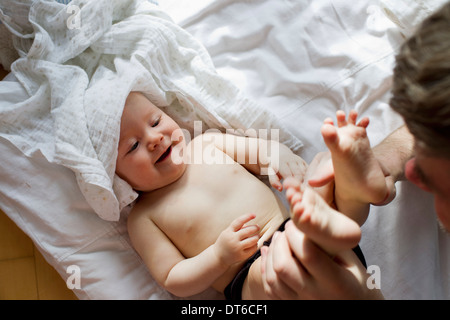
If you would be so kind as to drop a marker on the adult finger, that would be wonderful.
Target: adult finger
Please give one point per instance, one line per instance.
(274, 287)
(313, 259)
(290, 274)
(266, 273)
(324, 269)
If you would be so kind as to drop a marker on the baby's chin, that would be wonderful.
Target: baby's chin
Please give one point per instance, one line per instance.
(182, 169)
(174, 176)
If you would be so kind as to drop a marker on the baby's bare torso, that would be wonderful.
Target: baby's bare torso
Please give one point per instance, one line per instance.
(196, 208)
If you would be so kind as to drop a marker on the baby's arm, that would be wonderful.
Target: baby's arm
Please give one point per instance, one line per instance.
(185, 277)
(180, 276)
(259, 156)
(235, 244)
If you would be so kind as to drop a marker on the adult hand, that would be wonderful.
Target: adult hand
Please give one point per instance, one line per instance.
(293, 267)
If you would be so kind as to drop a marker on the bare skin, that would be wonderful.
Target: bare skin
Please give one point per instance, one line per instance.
(359, 181)
(296, 267)
(199, 219)
(328, 228)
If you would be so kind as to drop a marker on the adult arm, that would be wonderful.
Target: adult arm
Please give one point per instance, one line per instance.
(293, 267)
(392, 154)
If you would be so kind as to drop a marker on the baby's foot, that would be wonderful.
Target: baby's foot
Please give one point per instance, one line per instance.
(328, 228)
(358, 176)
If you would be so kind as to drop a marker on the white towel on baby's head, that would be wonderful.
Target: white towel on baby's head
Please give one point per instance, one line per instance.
(78, 79)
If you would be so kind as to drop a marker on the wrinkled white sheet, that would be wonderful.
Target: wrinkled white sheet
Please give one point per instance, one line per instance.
(302, 60)
(77, 80)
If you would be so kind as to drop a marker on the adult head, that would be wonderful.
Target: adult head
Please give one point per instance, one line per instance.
(421, 94)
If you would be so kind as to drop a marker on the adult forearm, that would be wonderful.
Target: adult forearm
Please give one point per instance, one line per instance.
(394, 151)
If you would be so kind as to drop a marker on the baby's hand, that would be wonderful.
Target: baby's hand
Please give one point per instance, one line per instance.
(237, 242)
(287, 164)
(294, 191)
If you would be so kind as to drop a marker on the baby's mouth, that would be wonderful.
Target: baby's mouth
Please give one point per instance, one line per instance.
(164, 155)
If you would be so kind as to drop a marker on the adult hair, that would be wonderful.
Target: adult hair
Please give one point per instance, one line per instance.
(421, 84)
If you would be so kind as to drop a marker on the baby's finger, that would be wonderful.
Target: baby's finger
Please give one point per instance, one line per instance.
(275, 182)
(287, 170)
(298, 170)
(248, 231)
(250, 244)
(239, 222)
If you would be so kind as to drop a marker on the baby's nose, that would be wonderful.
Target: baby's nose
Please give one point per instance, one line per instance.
(154, 140)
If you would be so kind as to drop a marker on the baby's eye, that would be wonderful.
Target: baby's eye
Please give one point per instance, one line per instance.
(156, 122)
(134, 147)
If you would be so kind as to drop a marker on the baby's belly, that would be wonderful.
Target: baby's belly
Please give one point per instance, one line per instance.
(250, 198)
(205, 208)
(270, 215)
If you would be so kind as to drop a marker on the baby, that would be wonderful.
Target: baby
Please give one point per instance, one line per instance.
(197, 223)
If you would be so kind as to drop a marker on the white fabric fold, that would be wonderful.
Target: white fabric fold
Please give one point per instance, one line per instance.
(408, 14)
(78, 77)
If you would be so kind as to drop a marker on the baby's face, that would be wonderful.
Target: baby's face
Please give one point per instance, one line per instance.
(147, 140)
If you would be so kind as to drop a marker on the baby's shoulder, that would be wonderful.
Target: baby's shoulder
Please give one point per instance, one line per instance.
(201, 144)
(209, 136)
(144, 206)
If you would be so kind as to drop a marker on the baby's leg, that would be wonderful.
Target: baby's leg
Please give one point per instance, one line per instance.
(328, 228)
(359, 179)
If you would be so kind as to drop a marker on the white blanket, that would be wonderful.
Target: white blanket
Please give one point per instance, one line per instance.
(300, 61)
(78, 77)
